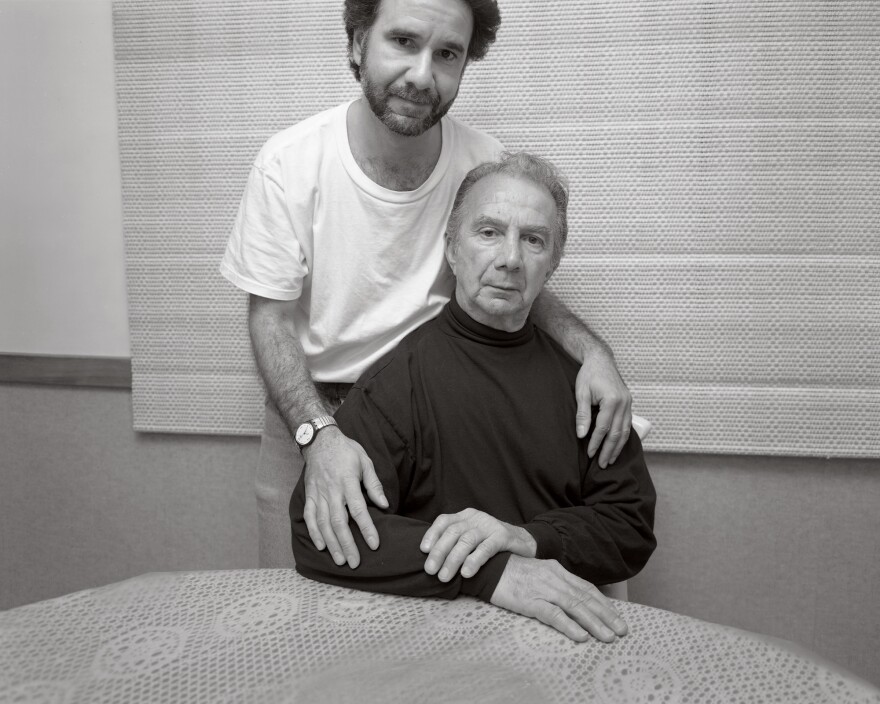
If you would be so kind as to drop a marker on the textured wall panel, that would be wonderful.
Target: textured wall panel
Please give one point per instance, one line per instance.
(724, 160)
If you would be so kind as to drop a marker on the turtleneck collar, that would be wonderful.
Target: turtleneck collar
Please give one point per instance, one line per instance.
(467, 327)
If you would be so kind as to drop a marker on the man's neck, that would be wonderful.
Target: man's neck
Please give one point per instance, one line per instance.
(394, 161)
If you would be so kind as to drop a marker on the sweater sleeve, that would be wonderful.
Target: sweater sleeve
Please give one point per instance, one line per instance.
(610, 536)
(397, 566)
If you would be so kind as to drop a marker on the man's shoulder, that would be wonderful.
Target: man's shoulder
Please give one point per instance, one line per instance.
(398, 364)
(316, 132)
(475, 142)
(567, 363)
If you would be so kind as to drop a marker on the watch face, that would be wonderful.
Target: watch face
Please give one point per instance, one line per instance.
(304, 434)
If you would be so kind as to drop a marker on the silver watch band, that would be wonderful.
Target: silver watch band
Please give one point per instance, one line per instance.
(322, 422)
(307, 431)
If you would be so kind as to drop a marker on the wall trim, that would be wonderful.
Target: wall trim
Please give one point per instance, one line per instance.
(107, 372)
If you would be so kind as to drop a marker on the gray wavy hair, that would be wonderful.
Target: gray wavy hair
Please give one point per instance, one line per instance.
(519, 165)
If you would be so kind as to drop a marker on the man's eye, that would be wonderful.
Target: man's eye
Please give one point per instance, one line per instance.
(448, 55)
(403, 41)
(535, 241)
(487, 232)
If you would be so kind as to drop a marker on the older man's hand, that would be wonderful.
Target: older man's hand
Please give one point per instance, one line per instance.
(467, 539)
(545, 590)
(599, 382)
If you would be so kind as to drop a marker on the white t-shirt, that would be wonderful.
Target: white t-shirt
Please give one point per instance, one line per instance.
(361, 264)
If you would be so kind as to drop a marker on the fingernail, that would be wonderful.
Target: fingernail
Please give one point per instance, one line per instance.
(337, 558)
(444, 575)
(373, 542)
(581, 431)
(608, 634)
(425, 547)
(353, 563)
(430, 567)
(384, 501)
(466, 572)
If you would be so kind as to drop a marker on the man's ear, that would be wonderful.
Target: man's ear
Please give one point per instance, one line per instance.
(357, 46)
(450, 252)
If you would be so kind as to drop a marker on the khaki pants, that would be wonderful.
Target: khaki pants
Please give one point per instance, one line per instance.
(278, 471)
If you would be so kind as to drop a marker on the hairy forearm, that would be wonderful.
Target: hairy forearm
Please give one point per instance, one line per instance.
(552, 316)
(281, 361)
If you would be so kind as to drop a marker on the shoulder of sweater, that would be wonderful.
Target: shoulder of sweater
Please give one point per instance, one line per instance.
(544, 338)
(396, 363)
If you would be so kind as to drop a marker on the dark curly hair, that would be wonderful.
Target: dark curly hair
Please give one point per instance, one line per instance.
(360, 14)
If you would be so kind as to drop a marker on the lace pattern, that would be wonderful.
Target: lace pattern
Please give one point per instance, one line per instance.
(274, 636)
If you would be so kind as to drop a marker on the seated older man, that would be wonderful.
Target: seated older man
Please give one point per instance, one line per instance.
(469, 423)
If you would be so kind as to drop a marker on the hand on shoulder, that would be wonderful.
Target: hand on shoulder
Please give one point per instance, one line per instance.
(335, 467)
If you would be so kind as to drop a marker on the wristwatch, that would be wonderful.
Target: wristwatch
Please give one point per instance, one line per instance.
(305, 434)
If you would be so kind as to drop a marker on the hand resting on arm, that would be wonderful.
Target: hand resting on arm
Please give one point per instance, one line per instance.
(335, 464)
(465, 540)
(541, 589)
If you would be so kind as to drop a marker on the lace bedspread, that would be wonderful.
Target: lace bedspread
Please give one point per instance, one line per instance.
(273, 636)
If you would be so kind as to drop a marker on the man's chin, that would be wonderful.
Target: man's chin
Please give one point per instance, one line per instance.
(406, 125)
(503, 303)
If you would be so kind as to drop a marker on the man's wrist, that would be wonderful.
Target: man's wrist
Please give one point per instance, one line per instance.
(594, 350)
(324, 437)
(525, 544)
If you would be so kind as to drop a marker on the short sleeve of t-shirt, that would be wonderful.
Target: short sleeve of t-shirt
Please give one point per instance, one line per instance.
(263, 255)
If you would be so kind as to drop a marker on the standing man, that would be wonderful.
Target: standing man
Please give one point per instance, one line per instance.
(339, 241)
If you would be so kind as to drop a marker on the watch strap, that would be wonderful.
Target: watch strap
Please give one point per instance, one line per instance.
(322, 422)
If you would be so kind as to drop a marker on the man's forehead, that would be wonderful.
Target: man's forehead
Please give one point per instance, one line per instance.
(510, 193)
(450, 20)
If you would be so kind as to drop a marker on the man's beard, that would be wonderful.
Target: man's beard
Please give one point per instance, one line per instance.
(377, 98)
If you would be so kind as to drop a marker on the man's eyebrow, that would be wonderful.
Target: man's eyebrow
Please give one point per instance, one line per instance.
(403, 32)
(410, 33)
(454, 46)
(484, 220)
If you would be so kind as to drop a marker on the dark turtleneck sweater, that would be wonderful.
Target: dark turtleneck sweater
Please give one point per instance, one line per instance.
(463, 415)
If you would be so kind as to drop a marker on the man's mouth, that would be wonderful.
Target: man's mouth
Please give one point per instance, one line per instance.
(414, 104)
(414, 97)
(411, 108)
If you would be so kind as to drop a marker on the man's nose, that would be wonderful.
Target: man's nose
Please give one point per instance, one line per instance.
(510, 256)
(421, 71)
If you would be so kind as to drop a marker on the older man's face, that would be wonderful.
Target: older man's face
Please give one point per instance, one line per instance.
(504, 252)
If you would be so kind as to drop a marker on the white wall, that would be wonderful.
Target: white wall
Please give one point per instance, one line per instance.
(62, 277)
